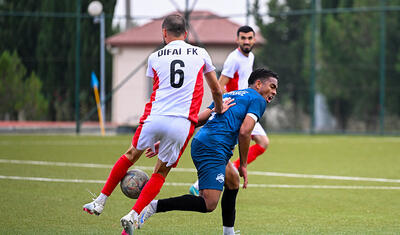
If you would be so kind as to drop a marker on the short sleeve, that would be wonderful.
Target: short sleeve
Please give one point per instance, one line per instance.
(257, 107)
(211, 106)
(207, 62)
(229, 67)
(149, 71)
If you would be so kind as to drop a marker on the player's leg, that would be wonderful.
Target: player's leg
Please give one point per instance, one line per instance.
(173, 134)
(228, 201)
(194, 188)
(206, 202)
(262, 142)
(143, 138)
(211, 173)
(130, 222)
(117, 173)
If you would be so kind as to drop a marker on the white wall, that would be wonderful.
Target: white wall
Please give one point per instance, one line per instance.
(128, 102)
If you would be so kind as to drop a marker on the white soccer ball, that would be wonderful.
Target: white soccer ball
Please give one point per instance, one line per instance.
(95, 8)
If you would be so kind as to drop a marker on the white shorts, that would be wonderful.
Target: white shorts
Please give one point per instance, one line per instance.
(173, 133)
(258, 130)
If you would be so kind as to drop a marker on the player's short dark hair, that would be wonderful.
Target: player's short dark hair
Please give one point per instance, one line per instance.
(175, 24)
(245, 29)
(262, 75)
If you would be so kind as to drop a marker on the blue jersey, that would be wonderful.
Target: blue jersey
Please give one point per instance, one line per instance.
(222, 130)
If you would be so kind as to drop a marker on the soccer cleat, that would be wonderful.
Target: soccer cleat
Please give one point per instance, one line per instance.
(93, 208)
(123, 232)
(148, 211)
(193, 190)
(129, 222)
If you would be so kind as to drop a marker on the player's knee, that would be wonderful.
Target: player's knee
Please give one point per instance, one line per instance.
(211, 205)
(232, 179)
(235, 182)
(211, 201)
(263, 141)
(132, 154)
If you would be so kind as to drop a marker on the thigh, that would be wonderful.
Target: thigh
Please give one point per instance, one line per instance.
(173, 139)
(232, 178)
(210, 168)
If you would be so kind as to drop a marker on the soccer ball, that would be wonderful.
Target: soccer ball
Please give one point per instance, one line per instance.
(133, 183)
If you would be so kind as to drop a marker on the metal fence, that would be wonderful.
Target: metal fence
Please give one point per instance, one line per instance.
(355, 90)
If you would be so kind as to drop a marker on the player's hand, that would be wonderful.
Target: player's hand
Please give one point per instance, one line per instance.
(227, 103)
(243, 173)
(150, 153)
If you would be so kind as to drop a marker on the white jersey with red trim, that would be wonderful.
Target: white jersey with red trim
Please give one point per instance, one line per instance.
(238, 67)
(177, 71)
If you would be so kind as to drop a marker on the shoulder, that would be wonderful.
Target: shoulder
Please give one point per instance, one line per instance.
(234, 54)
(232, 57)
(153, 55)
(202, 50)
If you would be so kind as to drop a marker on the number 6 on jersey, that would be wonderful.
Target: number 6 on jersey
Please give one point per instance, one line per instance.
(174, 71)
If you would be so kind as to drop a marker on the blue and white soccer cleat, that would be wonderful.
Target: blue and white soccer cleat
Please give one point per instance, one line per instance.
(93, 208)
(148, 211)
(129, 222)
(194, 190)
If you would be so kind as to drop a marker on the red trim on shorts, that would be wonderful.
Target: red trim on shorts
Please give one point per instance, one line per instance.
(147, 109)
(191, 131)
(233, 83)
(197, 97)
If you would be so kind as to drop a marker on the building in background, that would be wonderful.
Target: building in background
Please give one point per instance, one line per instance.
(132, 47)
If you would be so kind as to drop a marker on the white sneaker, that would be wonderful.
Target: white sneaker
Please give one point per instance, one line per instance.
(130, 222)
(93, 208)
(148, 211)
(194, 189)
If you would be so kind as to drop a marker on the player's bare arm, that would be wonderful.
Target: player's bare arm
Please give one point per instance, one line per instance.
(216, 91)
(205, 114)
(223, 80)
(244, 143)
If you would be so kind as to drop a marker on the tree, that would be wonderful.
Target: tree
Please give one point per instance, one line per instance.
(348, 48)
(47, 46)
(284, 52)
(349, 77)
(11, 74)
(20, 97)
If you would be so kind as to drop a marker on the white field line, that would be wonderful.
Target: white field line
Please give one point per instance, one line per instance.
(41, 179)
(262, 173)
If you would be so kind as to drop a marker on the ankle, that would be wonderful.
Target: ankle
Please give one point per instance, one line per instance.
(101, 199)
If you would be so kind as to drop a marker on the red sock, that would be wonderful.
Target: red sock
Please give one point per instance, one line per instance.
(149, 192)
(254, 151)
(117, 173)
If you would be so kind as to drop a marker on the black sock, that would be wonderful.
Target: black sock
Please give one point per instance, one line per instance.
(183, 203)
(228, 204)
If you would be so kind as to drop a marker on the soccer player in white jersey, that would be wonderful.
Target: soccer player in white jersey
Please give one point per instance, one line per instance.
(234, 76)
(170, 116)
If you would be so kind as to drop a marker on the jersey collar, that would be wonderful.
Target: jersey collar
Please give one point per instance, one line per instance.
(177, 42)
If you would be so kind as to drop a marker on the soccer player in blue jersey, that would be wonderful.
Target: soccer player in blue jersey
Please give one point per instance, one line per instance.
(212, 147)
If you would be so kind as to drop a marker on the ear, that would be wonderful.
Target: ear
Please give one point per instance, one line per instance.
(186, 34)
(164, 33)
(258, 84)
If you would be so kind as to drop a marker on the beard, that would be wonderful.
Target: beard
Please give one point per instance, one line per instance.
(246, 50)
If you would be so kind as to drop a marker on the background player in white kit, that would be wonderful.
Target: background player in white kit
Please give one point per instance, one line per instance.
(234, 76)
(170, 116)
